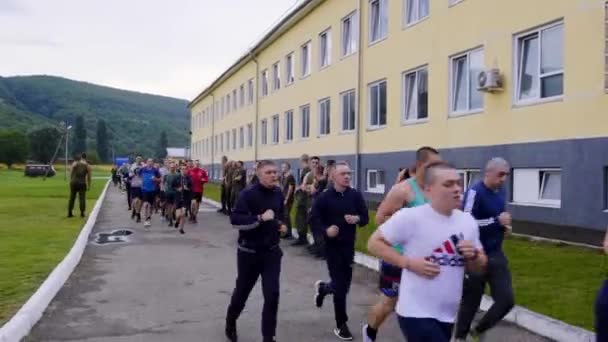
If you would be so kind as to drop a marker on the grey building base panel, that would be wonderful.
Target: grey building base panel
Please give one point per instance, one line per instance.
(584, 176)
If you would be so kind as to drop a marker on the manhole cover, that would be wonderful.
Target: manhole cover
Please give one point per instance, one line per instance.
(116, 236)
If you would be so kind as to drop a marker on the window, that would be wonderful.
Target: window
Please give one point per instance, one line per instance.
(264, 132)
(347, 104)
(463, 91)
(537, 187)
(221, 138)
(234, 100)
(249, 135)
(377, 104)
(469, 178)
(275, 129)
(223, 108)
(606, 46)
(242, 95)
(241, 137)
(250, 91)
(234, 139)
(276, 76)
(227, 140)
(416, 10)
(453, 2)
(228, 104)
(305, 121)
(375, 181)
(350, 34)
(378, 20)
(289, 69)
(325, 48)
(289, 125)
(264, 82)
(306, 53)
(540, 64)
(324, 116)
(415, 95)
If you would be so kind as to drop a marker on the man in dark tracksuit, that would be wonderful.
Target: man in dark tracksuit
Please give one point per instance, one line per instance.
(337, 212)
(486, 202)
(224, 198)
(258, 215)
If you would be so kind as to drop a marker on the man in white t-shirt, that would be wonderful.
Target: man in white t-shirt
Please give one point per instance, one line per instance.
(439, 240)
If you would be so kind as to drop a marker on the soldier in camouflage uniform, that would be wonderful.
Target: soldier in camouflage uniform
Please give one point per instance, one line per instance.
(239, 181)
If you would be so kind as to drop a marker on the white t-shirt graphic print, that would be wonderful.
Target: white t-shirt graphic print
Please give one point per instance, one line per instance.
(424, 233)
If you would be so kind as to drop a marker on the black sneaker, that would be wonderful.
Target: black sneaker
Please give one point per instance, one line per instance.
(269, 339)
(231, 332)
(319, 293)
(343, 333)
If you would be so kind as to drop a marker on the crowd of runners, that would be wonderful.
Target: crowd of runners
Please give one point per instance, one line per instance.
(440, 245)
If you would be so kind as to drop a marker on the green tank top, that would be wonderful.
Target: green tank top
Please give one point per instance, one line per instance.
(417, 201)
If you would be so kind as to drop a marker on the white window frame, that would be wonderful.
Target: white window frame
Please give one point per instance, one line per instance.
(250, 91)
(276, 76)
(290, 64)
(322, 103)
(467, 177)
(404, 94)
(306, 68)
(528, 187)
(369, 104)
(348, 45)
(325, 49)
(288, 126)
(305, 122)
(249, 135)
(517, 67)
(276, 121)
(264, 132)
(264, 80)
(382, 21)
(344, 100)
(379, 188)
(407, 7)
(469, 110)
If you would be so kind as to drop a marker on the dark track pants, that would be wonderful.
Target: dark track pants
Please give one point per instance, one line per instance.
(601, 314)
(498, 277)
(340, 264)
(81, 190)
(224, 198)
(249, 267)
(425, 329)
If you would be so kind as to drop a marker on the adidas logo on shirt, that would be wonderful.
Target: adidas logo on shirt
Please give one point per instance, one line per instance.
(447, 254)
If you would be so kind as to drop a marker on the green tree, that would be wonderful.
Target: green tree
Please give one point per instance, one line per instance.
(163, 143)
(13, 147)
(43, 143)
(79, 140)
(103, 150)
(93, 158)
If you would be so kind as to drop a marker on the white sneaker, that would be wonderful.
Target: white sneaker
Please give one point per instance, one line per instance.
(147, 224)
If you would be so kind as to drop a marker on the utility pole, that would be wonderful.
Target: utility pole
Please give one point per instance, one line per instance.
(66, 128)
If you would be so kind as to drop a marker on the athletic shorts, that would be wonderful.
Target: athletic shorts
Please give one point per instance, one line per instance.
(198, 196)
(149, 196)
(170, 197)
(182, 200)
(136, 193)
(390, 279)
(162, 196)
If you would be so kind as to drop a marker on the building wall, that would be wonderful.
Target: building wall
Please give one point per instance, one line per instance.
(565, 133)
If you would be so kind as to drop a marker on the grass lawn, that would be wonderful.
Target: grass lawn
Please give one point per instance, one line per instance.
(557, 281)
(35, 234)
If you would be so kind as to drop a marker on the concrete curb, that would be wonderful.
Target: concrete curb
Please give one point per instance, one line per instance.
(520, 316)
(22, 322)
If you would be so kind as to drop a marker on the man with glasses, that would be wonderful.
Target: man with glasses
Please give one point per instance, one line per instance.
(486, 201)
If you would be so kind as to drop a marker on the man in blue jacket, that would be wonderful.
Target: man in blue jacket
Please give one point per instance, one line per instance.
(486, 201)
(337, 212)
(258, 215)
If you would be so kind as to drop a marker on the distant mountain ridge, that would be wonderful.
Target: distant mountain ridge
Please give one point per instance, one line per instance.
(135, 120)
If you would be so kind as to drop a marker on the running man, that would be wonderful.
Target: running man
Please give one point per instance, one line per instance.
(136, 195)
(601, 303)
(258, 215)
(150, 179)
(337, 212)
(170, 192)
(199, 178)
(80, 183)
(181, 185)
(407, 193)
(438, 241)
(486, 201)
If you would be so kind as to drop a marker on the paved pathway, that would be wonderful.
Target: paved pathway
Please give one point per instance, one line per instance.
(163, 286)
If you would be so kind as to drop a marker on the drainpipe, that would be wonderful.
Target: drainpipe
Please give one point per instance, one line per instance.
(212, 137)
(359, 95)
(257, 106)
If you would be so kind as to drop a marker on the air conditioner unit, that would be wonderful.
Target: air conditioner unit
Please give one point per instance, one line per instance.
(489, 80)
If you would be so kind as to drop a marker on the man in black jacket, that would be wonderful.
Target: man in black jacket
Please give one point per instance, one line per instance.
(258, 215)
(337, 212)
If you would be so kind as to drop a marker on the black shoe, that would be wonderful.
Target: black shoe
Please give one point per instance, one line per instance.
(70, 215)
(319, 293)
(343, 333)
(82, 215)
(138, 218)
(231, 332)
(181, 231)
(133, 214)
(269, 339)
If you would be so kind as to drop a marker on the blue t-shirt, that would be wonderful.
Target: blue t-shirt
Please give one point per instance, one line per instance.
(486, 205)
(147, 175)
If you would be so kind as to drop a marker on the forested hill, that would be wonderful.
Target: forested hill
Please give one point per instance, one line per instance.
(134, 120)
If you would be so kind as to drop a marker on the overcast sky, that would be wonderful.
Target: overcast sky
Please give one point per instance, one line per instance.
(168, 47)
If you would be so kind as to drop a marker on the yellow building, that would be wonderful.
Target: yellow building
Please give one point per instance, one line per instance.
(370, 81)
